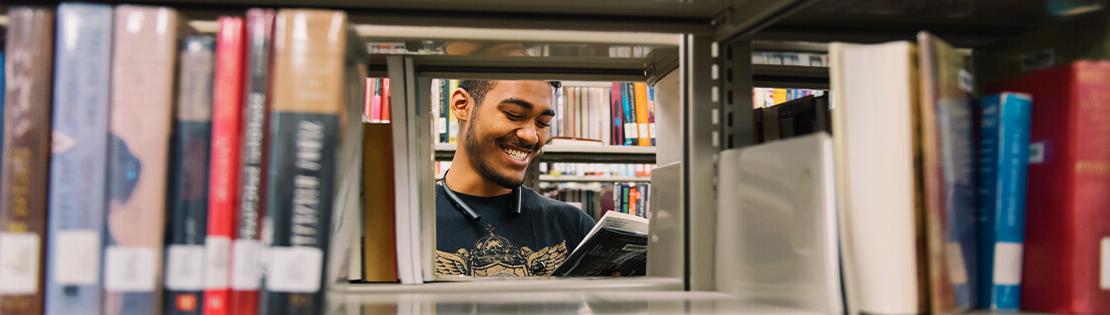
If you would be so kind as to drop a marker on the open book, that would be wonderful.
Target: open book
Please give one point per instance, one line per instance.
(617, 243)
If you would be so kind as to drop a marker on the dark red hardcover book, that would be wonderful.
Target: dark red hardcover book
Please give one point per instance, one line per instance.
(246, 273)
(1067, 236)
(223, 188)
(387, 99)
(617, 127)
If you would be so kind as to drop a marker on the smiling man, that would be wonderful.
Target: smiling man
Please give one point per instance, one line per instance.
(487, 223)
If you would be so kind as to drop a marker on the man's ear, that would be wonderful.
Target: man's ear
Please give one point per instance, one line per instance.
(461, 103)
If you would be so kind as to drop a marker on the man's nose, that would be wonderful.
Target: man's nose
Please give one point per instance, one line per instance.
(528, 134)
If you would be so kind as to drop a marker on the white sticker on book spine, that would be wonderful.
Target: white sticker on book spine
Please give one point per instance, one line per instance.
(644, 130)
(630, 130)
(130, 269)
(246, 273)
(217, 259)
(185, 267)
(1104, 271)
(19, 263)
(294, 269)
(76, 256)
(1007, 263)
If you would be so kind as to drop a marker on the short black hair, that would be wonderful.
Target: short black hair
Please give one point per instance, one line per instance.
(479, 88)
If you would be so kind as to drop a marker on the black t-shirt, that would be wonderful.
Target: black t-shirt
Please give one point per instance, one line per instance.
(503, 243)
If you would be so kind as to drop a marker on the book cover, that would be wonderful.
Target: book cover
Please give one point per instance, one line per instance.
(380, 236)
(246, 248)
(80, 151)
(948, 174)
(143, 81)
(616, 245)
(187, 190)
(309, 114)
(616, 112)
(1068, 181)
(1003, 160)
(223, 176)
(875, 147)
(640, 88)
(26, 151)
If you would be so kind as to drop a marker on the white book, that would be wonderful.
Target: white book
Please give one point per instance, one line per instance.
(873, 119)
(777, 225)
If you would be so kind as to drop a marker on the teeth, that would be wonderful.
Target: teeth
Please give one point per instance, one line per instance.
(516, 155)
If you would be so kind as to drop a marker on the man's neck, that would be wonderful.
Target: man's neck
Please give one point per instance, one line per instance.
(463, 178)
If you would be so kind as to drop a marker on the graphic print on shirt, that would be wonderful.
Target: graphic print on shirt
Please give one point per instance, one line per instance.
(495, 256)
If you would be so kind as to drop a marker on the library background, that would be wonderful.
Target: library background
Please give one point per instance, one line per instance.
(757, 156)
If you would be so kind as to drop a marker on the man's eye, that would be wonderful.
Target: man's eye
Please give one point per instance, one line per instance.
(513, 116)
(543, 124)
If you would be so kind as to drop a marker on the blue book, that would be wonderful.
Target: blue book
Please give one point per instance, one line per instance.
(1003, 159)
(630, 128)
(82, 56)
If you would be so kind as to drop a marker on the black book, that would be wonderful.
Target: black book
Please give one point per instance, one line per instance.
(618, 243)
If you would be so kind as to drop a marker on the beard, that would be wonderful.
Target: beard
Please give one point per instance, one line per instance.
(474, 154)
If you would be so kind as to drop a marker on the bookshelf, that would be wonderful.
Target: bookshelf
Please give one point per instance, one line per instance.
(702, 57)
(587, 179)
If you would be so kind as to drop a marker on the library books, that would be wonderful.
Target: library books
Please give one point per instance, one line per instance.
(1066, 265)
(947, 174)
(23, 176)
(80, 139)
(798, 117)
(246, 247)
(790, 58)
(777, 224)
(378, 101)
(223, 187)
(143, 63)
(1003, 162)
(187, 188)
(767, 97)
(314, 108)
(616, 245)
(875, 148)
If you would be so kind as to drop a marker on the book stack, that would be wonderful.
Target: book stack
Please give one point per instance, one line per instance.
(618, 113)
(176, 159)
(598, 187)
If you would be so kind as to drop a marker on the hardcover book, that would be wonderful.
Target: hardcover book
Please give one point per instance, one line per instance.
(246, 273)
(186, 226)
(26, 151)
(948, 174)
(80, 151)
(1003, 161)
(379, 248)
(312, 111)
(223, 178)
(142, 97)
(1066, 266)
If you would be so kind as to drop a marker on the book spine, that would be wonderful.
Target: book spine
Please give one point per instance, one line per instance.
(143, 62)
(630, 132)
(615, 111)
(1003, 156)
(80, 122)
(306, 103)
(453, 123)
(445, 111)
(1091, 173)
(223, 178)
(380, 244)
(387, 98)
(186, 226)
(640, 88)
(26, 151)
(246, 248)
(651, 113)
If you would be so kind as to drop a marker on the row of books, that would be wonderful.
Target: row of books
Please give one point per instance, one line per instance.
(595, 169)
(767, 97)
(147, 168)
(377, 109)
(622, 113)
(928, 175)
(790, 58)
(597, 198)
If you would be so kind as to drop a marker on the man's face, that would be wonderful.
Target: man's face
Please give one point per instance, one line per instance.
(508, 129)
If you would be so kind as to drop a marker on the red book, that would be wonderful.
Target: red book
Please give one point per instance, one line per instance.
(1067, 238)
(385, 117)
(223, 188)
(617, 127)
(373, 106)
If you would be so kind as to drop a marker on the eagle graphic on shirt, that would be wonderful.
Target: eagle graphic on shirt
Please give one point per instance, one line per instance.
(496, 256)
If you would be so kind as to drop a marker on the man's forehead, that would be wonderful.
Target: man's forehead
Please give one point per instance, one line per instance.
(534, 90)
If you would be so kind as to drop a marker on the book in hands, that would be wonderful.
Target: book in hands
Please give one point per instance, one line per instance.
(616, 244)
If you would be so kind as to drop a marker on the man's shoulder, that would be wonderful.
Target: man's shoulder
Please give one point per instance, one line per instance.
(536, 200)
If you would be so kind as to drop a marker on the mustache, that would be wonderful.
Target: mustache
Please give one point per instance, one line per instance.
(514, 141)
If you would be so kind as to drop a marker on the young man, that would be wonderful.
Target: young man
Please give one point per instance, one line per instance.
(487, 223)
